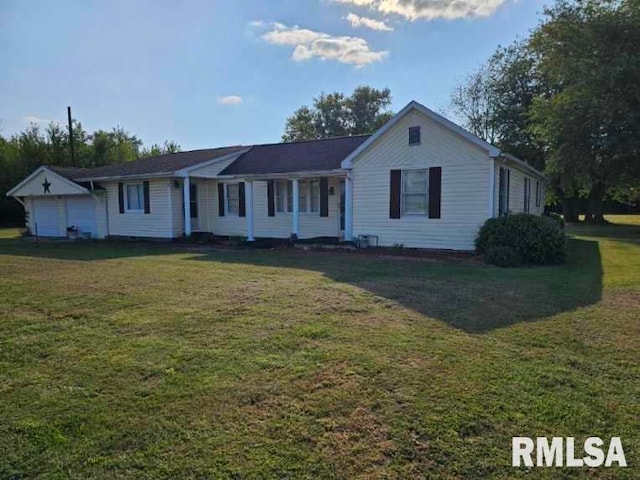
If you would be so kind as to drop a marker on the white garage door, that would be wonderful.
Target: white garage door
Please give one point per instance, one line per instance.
(81, 213)
(45, 217)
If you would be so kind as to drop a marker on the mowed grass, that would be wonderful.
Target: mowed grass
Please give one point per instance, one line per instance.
(147, 361)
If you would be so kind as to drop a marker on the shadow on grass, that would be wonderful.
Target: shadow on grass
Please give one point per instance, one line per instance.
(474, 298)
(624, 232)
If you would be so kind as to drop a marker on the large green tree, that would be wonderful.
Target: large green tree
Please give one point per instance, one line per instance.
(336, 115)
(567, 99)
(589, 51)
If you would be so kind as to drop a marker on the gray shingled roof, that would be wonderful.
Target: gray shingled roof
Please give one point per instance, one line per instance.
(312, 155)
(169, 162)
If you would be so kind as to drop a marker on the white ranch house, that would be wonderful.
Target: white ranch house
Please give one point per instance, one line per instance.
(420, 181)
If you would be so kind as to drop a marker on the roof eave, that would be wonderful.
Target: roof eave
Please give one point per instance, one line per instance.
(284, 175)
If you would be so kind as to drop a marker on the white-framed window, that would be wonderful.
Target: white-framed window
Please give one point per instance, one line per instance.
(233, 198)
(135, 197)
(284, 196)
(314, 196)
(538, 194)
(504, 181)
(415, 192)
(303, 197)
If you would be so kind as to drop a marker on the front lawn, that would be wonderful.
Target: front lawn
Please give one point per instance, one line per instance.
(145, 361)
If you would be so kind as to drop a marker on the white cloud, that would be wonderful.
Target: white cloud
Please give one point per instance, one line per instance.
(230, 100)
(308, 44)
(430, 9)
(367, 22)
(257, 24)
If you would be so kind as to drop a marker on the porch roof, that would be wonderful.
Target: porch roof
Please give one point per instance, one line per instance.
(297, 157)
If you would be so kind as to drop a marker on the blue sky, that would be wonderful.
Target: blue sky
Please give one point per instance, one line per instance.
(224, 72)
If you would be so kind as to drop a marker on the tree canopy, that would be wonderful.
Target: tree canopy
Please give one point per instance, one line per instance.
(23, 152)
(336, 115)
(567, 99)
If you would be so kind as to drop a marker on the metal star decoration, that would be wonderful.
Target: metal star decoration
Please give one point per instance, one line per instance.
(46, 185)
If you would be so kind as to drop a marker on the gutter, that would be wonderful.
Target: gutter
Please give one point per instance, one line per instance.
(507, 157)
(285, 175)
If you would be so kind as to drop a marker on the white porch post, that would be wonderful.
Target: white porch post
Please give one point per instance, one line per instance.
(187, 206)
(249, 209)
(348, 208)
(296, 208)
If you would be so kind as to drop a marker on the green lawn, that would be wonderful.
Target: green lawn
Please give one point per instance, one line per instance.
(146, 361)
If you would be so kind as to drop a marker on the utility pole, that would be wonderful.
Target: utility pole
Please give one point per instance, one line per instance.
(73, 160)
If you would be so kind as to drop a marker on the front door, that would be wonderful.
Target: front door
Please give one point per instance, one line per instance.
(193, 202)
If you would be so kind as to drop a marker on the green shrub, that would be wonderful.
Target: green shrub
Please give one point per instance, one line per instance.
(556, 218)
(502, 256)
(536, 240)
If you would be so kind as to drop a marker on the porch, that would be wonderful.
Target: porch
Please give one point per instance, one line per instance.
(302, 206)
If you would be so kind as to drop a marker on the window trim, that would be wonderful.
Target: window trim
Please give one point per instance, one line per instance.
(226, 199)
(403, 193)
(287, 194)
(140, 186)
(419, 129)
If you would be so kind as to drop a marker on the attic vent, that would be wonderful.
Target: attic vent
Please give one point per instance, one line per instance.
(414, 135)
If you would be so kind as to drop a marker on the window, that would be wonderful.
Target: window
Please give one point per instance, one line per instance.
(538, 195)
(415, 191)
(503, 193)
(308, 196)
(135, 197)
(314, 196)
(303, 196)
(527, 195)
(414, 135)
(233, 198)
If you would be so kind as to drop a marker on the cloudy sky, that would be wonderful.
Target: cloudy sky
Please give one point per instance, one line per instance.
(221, 72)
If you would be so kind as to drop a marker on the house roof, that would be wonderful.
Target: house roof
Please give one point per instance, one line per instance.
(305, 156)
(167, 163)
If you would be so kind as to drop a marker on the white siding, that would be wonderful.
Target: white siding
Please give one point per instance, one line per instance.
(516, 190)
(101, 215)
(280, 226)
(176, 215)
(156, 224)
(465, 187)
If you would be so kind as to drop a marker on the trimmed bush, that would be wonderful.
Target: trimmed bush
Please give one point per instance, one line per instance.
(555, 217)
(502, 256)
(535, 240)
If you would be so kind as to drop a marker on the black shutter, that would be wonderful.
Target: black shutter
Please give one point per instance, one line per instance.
(145, 192)
(121, 197)
(242, 208)
(221, 199)
(394, 197)
(324, 197)
(271, 201)
(435, 191)
(193, 200)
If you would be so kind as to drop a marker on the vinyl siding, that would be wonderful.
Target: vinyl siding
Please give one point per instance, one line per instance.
(264, 226)
(516, 190)
(465, 204)
(101, 214)
(156, 224)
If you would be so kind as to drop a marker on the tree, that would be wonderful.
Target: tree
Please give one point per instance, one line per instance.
(590, 52)
(334, 115)
(22, 153)
(155, 149)
(475, 102)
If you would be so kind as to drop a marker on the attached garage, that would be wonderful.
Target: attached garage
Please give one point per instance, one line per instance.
(45, 220)
(81, 213)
